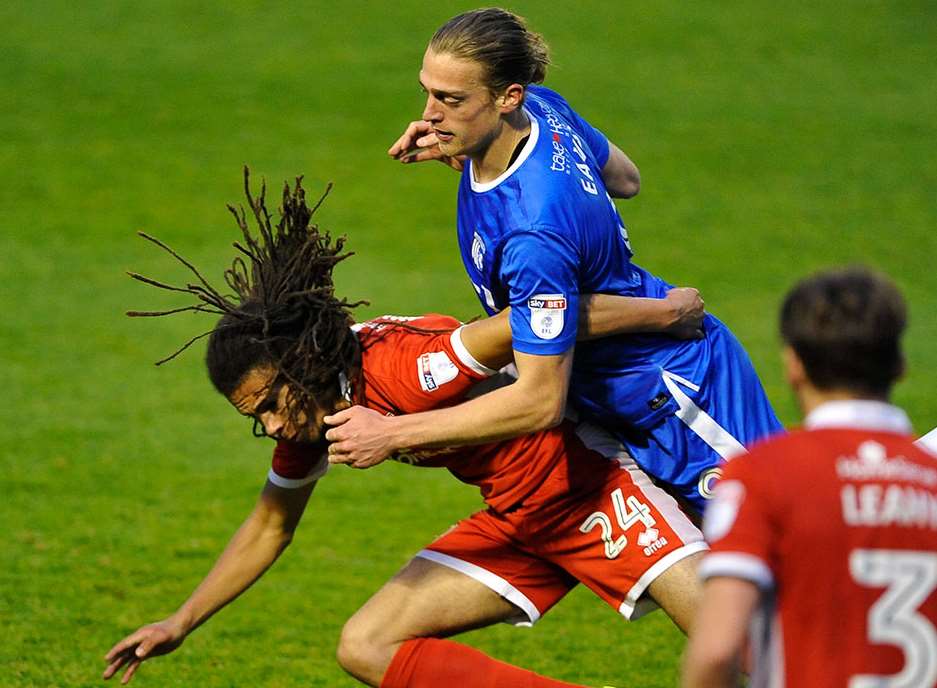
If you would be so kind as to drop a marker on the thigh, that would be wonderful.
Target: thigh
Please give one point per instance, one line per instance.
(484, 548)
(428, 599)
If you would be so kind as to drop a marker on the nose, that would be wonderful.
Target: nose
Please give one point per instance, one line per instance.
(272, 423)
(432, 113)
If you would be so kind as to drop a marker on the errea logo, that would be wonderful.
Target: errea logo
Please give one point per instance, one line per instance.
(478, 251)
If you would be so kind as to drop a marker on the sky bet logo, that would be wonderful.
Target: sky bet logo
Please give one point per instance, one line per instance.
(547, 303)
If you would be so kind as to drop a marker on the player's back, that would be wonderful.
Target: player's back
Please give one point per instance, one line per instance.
(853, 517)
(418, 364)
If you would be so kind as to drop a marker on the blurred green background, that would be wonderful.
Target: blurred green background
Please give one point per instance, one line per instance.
(772, 141)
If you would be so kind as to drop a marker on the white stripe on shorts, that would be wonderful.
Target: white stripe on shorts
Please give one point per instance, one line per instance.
(491, 581)
(634, 607)
(700, 422)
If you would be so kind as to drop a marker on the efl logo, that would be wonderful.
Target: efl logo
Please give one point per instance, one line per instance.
(547, 314)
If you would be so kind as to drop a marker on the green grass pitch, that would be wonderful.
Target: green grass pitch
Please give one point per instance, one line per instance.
(771, 142)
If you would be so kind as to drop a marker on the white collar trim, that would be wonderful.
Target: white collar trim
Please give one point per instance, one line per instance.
(525, 153)
(859, 414)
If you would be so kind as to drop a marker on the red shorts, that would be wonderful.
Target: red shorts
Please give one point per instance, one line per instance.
(615, 539)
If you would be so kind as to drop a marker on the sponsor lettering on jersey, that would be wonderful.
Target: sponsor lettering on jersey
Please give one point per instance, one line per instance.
(547, 314)
(872, 462)
(415, 457)
(435, 369)
(559, 161)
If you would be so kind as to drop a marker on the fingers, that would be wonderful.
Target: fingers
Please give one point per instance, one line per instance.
(131, 640)
(131, 670)
(337, 419)
(416, 135)
(143, 649)
(116, 663)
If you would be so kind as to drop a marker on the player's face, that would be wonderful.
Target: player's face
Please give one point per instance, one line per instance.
(459, 105)
(269, 401)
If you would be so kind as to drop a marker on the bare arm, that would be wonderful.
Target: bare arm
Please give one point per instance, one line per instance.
(680, 314)
(254, 547)
(537, 400)
(717, 638)
(621, 176)
(600, 315)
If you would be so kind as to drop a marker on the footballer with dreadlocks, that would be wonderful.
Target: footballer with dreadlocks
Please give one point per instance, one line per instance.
(286, 352)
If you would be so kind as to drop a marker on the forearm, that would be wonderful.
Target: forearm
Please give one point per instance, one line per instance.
(251, 551)
(601, 315)
(517, 409)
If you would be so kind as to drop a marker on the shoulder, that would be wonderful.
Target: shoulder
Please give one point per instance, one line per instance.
(774, 463)
(543, 96)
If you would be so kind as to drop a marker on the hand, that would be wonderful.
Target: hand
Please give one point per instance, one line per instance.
(154, 640)
(359, 438)
(688, 311)
(419, 143)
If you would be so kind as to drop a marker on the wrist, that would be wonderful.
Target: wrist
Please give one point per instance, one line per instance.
(396, 434)
(183, 621)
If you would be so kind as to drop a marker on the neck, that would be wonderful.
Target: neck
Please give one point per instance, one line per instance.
(490, 163)
(810, 397)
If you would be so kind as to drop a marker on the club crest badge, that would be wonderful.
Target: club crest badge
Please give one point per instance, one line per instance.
(547, 312)
(478, 251)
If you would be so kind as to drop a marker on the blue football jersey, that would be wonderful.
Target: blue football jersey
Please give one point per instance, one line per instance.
(546, 231)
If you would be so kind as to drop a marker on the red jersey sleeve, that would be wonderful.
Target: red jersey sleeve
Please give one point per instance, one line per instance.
(740, 525)
(418, 366)
(295, 465)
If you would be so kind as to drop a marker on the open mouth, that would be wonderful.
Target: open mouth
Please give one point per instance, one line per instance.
(444, 136)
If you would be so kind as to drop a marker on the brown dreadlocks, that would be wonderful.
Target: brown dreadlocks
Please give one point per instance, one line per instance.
(284, 313)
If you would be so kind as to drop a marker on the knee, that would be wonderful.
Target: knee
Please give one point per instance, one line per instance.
(363, 650)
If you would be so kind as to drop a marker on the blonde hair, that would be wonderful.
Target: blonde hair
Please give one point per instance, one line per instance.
(498, 40)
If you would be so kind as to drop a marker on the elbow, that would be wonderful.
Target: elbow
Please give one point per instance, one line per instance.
(630, 186)
(277, 537)
(550, 412)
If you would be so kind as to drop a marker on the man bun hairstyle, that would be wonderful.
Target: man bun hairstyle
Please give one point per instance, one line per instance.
(846, 325)
(283, 313)
(498, 40)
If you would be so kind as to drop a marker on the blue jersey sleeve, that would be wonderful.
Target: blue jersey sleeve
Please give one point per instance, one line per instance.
(593, 138)
(540, 268)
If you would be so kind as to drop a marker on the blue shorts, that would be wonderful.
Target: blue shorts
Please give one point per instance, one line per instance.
(716, 418)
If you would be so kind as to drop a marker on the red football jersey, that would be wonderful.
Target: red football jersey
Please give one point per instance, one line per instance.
(838, 525)
(418, 364)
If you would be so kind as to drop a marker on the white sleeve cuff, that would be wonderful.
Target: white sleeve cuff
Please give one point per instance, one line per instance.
(737, 565)
(314, 474)
(929, 441)
(467, 359)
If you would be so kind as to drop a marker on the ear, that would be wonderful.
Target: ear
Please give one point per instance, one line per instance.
(510, 99)
(794, 372)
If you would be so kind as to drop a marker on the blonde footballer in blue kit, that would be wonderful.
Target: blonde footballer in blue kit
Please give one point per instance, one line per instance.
(537, 229)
